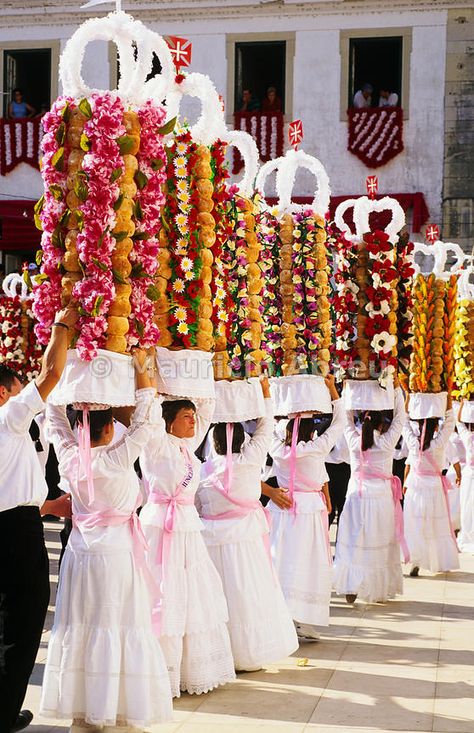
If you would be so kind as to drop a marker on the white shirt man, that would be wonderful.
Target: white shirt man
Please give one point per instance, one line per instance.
(388, 99)
(363, 98)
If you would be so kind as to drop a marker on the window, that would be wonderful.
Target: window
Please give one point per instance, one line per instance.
(376, 61)
(258, 66)
(30, 70)
(376, 56)
(259, 61)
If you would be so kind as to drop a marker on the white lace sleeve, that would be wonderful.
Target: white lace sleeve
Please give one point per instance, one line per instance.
(258, 446)
(58, 432)
(146, 421)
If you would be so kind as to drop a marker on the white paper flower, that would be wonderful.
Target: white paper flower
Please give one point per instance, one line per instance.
(383, 342)
(382, 310)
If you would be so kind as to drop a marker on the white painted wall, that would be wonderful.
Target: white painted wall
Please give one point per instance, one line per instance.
(317, 75)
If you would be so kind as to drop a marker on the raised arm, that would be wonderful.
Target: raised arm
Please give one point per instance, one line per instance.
(257, 448)
(442, 438)
(389, 440)
(54, 358)
(204, 412)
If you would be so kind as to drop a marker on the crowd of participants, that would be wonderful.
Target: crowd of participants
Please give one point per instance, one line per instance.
(195, 551)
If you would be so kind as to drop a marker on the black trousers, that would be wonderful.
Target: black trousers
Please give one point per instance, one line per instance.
(339, 475)
(24, 597)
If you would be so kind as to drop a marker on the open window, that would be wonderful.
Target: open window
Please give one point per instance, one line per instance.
(28, 69)
(260, 65)
(376, 56)
(376, 61)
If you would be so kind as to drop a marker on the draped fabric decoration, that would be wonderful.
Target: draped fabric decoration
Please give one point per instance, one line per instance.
(19, 143)
(266, 130)
(375, 134)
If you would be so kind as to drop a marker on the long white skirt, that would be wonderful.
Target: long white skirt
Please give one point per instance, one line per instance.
(454, 497)
(194, 635)
(427, 528)
(260, 625)
(302, 559)
(466, 535)
(104, 663)
(367, 561)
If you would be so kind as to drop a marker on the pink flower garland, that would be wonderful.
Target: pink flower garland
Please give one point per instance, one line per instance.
(95, 243)
(151, 200)
(47, 295)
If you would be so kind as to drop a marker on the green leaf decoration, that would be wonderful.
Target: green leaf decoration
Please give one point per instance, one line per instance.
(138, 211)
(27, 279)
(61, 134)
(85, 108)
(38, 207)
(58, 238)
(85, 144)
(118, 277)
(140, 179)
(99, 264)
(38, 223)
(116, 173)
(140, 328)
(39, 257)
(119, 202)
(58, 159)
(141, 235)
(80, 189)
(66, 113)
(167, 127)
(65, 218)
(126, 144)
(56, 191)
(120, 236)
(97, 303)
(156, 164)
(152, 293)
(80, 219)
(138, 271)
(82, 311)
(40, 278)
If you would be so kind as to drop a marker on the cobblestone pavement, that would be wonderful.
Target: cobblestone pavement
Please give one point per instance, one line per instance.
(406, 665)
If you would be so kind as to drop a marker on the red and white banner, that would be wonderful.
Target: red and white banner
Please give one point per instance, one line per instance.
(372, 185)
(19, 143)
(181, 50)
(266, 128)
(375, 134)
(295, 133)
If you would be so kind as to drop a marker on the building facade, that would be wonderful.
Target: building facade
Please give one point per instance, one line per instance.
(316, 54)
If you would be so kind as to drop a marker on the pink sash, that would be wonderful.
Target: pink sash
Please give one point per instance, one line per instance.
(396, 487)
(243, 508)
(114, 518)
(445, 483)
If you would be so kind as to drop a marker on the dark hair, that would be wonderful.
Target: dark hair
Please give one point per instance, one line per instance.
(170, 409)
(219, 435)
(430, 429)
(16, 90)
(372, 421)
(321, 422)
(98, 419)
(305, 431)
(8, 376)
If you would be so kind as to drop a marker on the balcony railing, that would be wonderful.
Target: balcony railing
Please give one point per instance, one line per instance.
(266, 128)
(19, 143)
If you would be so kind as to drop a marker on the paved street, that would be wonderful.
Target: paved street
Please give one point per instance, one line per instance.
(407, 665)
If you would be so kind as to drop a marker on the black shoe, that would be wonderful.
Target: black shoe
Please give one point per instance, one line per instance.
(414, 571)
(351, 597)
(23, 721)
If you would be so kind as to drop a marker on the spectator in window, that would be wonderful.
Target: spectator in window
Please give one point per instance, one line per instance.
(249, 102)
(18, 108)
(388, 98)
(271, 103)
(363, 98)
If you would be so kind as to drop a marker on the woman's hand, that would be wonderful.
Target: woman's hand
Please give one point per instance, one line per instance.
(330, 382)
(265, 385)
(281, 498)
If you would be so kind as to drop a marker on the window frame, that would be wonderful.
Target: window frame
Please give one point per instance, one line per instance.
(386, 32)
(232, 39)
(53, 46)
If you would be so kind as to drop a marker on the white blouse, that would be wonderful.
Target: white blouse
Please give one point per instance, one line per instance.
(22, 481)
(467, 437)
(166, 461)
(436, 453)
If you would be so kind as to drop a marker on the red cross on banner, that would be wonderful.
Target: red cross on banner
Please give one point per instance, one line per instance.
(432, 233)
(180, 49)
(372, 184)
(295, 133)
